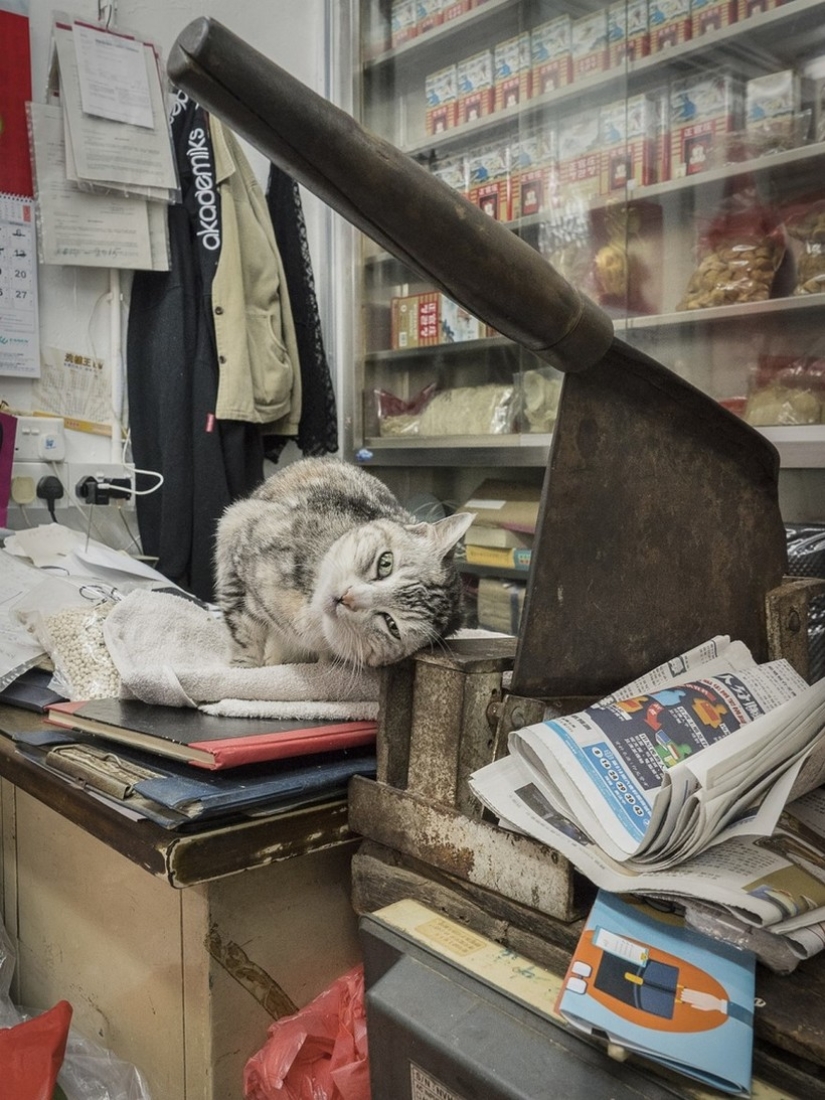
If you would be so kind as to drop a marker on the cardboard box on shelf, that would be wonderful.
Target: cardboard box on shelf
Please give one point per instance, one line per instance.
(588, 44)
(441, 96)
(670, 23)
(404, 322)
(428, 14)
(662, 156)
(814, 95)
(452, 9)
(703, 111)
(628, 144)
(454, 172)
(628, 31)
(550, 55)
(403, 17)
(511, 71)
(422, 320)
(580, 156)
(711, 15)
(474, 82)
(746, 8)
(490, 185)
(534, 168)
(500, 503)
(775, 96)
(500, 604)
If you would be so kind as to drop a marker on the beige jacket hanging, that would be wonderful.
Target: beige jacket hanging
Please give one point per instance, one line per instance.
(259, 372)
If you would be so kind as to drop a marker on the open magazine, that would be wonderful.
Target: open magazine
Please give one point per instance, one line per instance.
(649, 984)
(698, 780)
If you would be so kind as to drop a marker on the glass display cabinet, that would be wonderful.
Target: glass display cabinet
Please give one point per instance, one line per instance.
(666, 157)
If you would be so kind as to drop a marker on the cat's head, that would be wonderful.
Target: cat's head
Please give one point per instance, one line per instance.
(386, 589)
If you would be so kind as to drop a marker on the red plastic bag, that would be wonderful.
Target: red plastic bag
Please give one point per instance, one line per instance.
(31, 1054)
(318, 1053)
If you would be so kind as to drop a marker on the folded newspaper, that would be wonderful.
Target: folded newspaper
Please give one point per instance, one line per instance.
(699, 780)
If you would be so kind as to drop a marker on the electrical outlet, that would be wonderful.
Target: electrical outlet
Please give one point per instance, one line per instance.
(39, 439)
(85, 491)
(25, 477)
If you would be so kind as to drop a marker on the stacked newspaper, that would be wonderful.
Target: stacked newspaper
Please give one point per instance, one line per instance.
(697, 781)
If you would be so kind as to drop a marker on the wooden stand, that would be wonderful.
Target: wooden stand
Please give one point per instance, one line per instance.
(170, 956)
(444, 715)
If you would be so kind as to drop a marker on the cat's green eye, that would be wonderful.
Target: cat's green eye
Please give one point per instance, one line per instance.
(392, 625)
(385, 564)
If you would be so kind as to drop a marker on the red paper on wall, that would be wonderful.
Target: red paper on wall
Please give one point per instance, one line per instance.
(15, 92)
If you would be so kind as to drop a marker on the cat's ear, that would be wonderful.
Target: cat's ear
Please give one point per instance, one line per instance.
(445, 533)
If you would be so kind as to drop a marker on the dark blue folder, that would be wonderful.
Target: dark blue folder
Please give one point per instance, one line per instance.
(177, 795)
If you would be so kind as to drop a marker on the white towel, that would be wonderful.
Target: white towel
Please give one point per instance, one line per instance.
(170, 651)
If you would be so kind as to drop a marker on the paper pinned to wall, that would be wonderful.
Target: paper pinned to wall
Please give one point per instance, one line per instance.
(108, 152)
(76, 227)
(19, 325)
(113, 79)
(76, 387)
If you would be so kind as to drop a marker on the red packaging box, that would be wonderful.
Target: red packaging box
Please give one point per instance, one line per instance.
(428, 14)
(711, 15)
(534, 172)
(628, 144)
(670, 23)
(628, 31)
(490, 181)
(441, 92)
(454, 8)
(474, 82)
(403, 16)
(588, 44)
(746, 8)
(702, 111)
(511, 71)
(550, 55)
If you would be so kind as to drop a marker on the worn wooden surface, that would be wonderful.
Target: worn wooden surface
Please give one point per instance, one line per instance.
(790, 1046)
(183, 859)
(182, 984)
(516, 866)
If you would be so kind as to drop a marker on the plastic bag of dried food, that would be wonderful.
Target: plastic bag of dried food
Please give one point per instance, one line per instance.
(740, 251)
(786, 390)
(805, 223)
(397, 416)
(318, 1053)
(67, 620)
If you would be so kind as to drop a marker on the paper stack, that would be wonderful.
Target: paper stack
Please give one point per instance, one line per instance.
(697, 781)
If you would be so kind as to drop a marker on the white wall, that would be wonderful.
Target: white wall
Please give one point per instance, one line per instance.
(74, 311)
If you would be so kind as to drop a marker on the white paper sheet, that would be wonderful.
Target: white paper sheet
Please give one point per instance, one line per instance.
(113, 78)
(77, 228)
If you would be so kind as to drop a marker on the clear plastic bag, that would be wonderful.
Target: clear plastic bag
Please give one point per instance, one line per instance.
(805, 223)
(318, 1053)
(67, 620)
(740, 251)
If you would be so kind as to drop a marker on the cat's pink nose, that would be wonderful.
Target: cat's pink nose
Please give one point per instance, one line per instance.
(348, 599)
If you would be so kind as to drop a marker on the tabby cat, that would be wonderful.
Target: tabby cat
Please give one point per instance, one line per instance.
(322, 561)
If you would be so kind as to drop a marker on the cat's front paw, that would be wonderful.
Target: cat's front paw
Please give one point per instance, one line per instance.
(246, 660)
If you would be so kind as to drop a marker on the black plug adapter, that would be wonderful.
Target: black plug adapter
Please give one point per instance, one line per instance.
(89, 490)
(50, 489)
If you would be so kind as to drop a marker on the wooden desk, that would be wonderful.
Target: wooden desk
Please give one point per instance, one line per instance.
(175, 951)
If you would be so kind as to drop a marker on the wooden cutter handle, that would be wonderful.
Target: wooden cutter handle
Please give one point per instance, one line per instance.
(454, 245)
